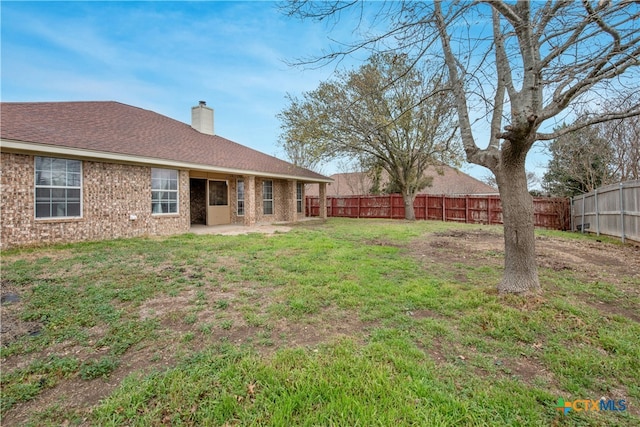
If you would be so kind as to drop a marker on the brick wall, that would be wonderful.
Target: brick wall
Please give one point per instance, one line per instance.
(110, 192)
(281, 202)
(233, 200)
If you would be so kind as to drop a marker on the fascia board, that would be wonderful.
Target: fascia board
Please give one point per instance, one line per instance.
(81, 153)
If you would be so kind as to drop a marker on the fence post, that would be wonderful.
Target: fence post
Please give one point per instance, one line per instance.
(582, 226)
(391, 206)
(488, 210)
(571, 224)
(444, 215)
(466, 208)
(595, 200)
(426, 206)
(622, 211)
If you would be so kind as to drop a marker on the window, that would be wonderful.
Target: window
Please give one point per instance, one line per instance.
(267, 197)
(58, 185)
(299, 196)
(164, 191)
(240, 197)
(218, 193)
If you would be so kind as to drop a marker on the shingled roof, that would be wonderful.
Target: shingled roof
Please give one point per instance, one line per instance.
(446, 180)
(113, 127)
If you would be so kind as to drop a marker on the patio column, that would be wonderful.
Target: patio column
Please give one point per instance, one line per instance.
(290, 202)
(323, 200)
(249, 200)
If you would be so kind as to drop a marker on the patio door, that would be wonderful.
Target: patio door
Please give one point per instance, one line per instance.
(218, 211)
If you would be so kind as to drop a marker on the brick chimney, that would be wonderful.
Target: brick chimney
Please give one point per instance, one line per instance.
(202, 118)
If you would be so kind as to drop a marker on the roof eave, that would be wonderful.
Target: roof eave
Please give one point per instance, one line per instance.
(81, 153)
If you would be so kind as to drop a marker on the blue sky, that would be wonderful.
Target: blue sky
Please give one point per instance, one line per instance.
(162, 56)
(165, 57)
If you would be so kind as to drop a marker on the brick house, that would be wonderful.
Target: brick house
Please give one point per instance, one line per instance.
(75, 171)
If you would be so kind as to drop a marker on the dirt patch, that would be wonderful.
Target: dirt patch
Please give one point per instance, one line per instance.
(528, 369)
(77, 395)
(12, 326)
(335, 324)
(189, 321)
(588, 260)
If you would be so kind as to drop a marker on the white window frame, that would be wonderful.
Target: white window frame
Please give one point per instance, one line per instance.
(266, 201)
(165, 187)
(299, 196)
(63, 184)
(240, 197)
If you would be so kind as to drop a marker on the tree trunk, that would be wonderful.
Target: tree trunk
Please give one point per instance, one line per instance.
(409, 212)
(520, 269)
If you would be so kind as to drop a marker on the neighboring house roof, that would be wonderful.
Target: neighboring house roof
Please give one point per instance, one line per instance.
(112, 130)
(446, 180)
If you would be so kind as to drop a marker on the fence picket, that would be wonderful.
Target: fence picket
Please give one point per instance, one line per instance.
(551, 213)
(615, 210)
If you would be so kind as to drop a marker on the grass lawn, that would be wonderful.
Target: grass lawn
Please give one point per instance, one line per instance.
(348, 322)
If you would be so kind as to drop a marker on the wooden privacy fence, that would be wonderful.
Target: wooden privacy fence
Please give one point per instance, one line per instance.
(549, 212)
(613, 210)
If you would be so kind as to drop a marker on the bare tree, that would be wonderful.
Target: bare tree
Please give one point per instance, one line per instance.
(386, 114)
(525, 64)
(624, 139)
(580, 163)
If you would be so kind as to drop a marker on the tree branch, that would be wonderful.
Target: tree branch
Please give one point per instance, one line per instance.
(593, 121)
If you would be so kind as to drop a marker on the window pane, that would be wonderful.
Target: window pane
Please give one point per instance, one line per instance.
(73, 209)
(43, 163)
(43, 177)
(58, 195)
(267, 207)
(73, 180)
(43, 195)
(59, 178)
(59, 165)
(73, 195)
(73, 166)
(240, 190)
(267, 197)
(218, 193)
(267, 190)
(58, 209)
(43, 210)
